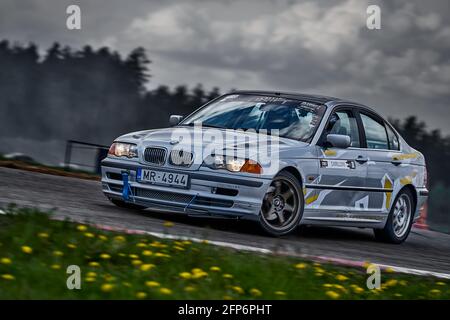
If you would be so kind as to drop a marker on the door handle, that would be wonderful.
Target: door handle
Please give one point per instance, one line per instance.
(361, 159)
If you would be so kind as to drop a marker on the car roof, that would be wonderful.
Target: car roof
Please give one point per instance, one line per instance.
(326, 100)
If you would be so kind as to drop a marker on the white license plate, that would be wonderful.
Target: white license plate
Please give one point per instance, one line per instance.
(163, 178)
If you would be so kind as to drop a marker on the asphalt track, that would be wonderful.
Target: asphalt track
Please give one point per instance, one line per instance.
(82, 200)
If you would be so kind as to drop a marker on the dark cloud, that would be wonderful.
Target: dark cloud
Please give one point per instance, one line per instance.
(314, 46)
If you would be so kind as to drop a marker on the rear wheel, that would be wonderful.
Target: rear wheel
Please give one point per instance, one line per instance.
(282, 206)
(126, 205)
(400, 220)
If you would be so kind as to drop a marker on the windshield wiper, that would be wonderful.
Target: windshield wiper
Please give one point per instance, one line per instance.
(191, 124)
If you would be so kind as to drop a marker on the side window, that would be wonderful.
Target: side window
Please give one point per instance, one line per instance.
(344, 122)
(393, 139)
(376, 137)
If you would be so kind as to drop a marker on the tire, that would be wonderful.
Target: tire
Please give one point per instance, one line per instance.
(126, 205)
(283, 204)
(395, 231)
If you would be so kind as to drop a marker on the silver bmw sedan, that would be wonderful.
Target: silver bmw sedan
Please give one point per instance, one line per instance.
(281, 159)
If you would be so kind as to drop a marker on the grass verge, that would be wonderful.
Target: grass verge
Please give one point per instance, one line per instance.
(35, 252)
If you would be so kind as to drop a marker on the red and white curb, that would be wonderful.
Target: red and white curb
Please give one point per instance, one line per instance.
(240, 247)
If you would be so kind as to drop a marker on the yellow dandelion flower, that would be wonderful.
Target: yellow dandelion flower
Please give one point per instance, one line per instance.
(8, 277)
(27, 249)
(199, 275)
(141, 295)
(43, 235)
(389, 270)
(391, 282)
(105, 256)
(147, 266)
(152, 284)
(440, 283)
(109, 278)
(71, 246)
(185, 275)
(178, 248)
(196, 270)
(301, 266)
(81, 227)
(119, 238)
(187, 242)
(358, 289)
(238, 289)
(214, 269)
(318, 274)
(316, 264)
(147, 253)
(319, 270)
(55, 266)
(341, 277)
(338, 286)
(126, 284)
(103, 237)
(89, 279)
(121, 254)
(168, 224)
(58, 253)
(403, 283)
(204, 242)
(94, 264)
(398, 295)
(435, 291)
(227, 276)
(227, 297)
(280, 293)
(165, 291)
(141, 245)
(133, 256)
(332, 294)
(161, 255)
(327, 285)
(255, 292)
(91, 274)
(107, 287)
(189, 289)
(5, 261)
(136, 262)
(89, 235)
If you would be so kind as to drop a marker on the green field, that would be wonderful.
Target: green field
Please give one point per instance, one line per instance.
(35, 252)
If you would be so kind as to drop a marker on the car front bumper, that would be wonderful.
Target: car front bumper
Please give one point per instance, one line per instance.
(209, 193)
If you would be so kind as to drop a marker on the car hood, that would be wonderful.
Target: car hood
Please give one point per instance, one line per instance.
(199, 141)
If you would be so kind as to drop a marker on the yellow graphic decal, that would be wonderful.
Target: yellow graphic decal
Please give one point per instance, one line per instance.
(388, 185)
(329, 152)
(405, 156)
(311, 199)
(406, 180)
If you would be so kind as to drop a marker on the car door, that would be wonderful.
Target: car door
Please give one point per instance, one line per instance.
(383, 170)
(342, 172)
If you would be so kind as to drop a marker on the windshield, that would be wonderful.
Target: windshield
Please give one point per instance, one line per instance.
(288, 118)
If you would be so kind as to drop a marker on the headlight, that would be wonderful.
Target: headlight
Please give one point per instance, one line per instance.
(232, 164)
(120, 149)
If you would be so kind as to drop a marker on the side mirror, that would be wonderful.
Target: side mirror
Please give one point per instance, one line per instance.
(175, 119)
(339, 140)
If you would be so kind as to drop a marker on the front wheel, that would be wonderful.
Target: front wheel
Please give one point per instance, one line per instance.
(400, 220)
(282, 206)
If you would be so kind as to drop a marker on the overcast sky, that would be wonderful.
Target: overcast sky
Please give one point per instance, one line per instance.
(304, 46)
